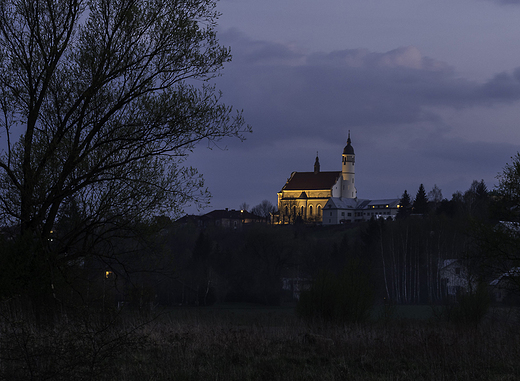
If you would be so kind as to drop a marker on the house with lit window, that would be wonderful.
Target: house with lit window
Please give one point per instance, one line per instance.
(341, 211)
(226, 218)
(329, 198)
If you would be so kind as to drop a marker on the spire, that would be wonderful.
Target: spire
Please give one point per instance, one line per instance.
(348, 148)
(317, 164)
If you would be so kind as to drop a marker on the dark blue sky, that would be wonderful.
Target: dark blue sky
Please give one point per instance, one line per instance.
(430, 91)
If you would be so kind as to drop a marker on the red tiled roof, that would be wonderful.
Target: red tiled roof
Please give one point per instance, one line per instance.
(312, 181)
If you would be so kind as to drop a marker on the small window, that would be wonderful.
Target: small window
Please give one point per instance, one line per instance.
(457, 270)
(310, 210)
(343, 213)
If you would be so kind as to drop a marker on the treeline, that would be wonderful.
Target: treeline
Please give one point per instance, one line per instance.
(410, 252)
(164, 263)
(402, 258)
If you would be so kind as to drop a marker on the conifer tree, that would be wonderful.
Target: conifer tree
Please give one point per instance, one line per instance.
(405, 205)
(420, 204)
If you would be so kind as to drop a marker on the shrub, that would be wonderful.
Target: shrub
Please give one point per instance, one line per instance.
(347, 297)
(320, 300)
(471, 307)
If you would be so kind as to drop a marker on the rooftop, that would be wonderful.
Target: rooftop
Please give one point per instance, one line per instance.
(311, 180)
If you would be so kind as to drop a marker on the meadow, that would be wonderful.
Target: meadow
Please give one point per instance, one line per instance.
(250, 342)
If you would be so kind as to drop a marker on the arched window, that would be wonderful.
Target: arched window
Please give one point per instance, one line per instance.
(286, 210)
(301, 211)
(294, 210)
(319, 210)
(310, 210)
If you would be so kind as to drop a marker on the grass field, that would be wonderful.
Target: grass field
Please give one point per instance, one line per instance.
(250, 342)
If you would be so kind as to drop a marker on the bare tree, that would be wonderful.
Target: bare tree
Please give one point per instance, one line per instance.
(264, 209)
(100, 103)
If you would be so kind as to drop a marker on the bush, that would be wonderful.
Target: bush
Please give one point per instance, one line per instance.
(347, 297)
(471, 307)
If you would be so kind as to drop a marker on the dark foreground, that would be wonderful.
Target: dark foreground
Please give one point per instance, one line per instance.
(257, 344)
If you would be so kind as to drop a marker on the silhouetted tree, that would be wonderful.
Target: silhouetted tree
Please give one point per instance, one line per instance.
(101, 94)
(476, 200)
(420, 204)
(264, 209)
(498, 243)
(405, 205)
(508, 187)
(201, 270)
(435, 197)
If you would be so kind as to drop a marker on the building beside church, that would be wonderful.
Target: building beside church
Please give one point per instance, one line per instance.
(231, 219)
(329, 198)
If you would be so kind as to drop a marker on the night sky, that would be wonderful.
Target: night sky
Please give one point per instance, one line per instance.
(430, 91)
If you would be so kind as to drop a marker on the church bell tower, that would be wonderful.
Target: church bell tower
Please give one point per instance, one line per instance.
(348, 188)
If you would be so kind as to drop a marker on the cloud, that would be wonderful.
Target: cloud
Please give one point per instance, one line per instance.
(285, 91)
(506, 2)
(397, 104)
(503, 86)
(259, 52)
(403, 57)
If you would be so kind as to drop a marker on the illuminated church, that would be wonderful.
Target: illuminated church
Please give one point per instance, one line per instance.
(329, 198)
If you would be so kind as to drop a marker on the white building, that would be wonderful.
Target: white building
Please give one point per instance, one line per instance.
(455, 277)
(339, 210)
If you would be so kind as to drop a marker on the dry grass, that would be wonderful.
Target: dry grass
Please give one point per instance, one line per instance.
(369, 352)
(258, 345)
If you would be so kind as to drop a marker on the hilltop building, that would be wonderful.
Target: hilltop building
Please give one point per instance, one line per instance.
(231, 219)
(329, 198)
